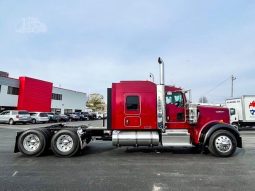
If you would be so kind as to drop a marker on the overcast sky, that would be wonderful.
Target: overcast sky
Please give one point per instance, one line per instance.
(87, 45)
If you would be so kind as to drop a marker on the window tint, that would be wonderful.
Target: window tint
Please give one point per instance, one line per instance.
(13, 90)
(68, 111)
(43, 115)
(14, 112)
(132, 103)
(174, 98)
(232, 111)
(7, 113)
(3, 113)
(56, 96)
(23, 113)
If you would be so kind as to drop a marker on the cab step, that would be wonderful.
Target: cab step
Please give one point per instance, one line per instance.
(176, 138)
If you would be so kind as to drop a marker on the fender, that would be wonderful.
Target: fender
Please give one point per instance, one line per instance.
(208, 131)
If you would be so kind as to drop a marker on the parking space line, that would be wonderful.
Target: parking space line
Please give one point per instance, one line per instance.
(15, 173)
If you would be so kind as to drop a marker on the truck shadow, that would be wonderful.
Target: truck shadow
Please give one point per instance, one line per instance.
(159, 150)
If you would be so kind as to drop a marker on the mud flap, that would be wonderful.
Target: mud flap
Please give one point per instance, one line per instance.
(16, 149)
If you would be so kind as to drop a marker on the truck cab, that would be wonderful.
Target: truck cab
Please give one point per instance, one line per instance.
(143, 113)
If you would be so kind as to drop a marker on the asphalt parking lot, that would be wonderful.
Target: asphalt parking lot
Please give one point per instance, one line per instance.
(103, 167)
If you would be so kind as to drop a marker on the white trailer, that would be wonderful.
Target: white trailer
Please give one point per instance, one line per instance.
(242, 111)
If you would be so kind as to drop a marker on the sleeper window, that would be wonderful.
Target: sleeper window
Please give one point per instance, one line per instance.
(132, 103)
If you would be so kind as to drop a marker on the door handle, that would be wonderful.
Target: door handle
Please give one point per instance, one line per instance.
(127, 121)
(167, 118)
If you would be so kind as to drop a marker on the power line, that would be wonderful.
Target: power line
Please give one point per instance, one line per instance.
(219, 84)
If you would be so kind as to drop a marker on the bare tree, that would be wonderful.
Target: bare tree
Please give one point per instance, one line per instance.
(203, 99)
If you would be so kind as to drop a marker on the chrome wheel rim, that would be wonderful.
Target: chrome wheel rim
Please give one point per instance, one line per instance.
(223, 144)
(64, 143)
(31, 142)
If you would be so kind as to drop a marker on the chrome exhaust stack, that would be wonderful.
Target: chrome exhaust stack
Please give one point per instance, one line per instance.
(161, 101)
(161, 71)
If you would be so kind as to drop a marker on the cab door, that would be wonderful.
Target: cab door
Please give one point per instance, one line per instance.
(132, 111)
(175, 110)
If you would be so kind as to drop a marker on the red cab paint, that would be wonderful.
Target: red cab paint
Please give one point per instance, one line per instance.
(144, 114)
(141, 115)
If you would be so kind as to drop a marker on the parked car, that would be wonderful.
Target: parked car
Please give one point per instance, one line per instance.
(53, 117)
(100, 115)
(82, 116)
(92, 115)
(73, 117)
(39, 117)
(63, 117)
(86, 115)
(14, 116)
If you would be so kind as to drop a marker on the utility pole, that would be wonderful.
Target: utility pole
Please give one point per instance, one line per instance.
(232, 85)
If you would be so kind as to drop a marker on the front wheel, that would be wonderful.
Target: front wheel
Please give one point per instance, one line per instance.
(222, 143)
(65, 143)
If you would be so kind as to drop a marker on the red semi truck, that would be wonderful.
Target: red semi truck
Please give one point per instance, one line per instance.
(142, 113)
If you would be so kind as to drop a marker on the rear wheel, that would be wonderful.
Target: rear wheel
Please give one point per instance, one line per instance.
(11, 122)
(65, 143)
(33, 121)
(32, 142)
(222, 143)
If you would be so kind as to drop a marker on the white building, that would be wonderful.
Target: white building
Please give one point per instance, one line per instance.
(13, 93)
(67, 101)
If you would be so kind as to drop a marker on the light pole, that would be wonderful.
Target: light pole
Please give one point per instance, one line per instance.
(232, 85)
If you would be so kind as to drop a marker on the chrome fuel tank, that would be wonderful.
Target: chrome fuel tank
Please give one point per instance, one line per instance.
(135, 138)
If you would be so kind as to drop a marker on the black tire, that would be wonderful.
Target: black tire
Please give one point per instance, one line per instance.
(70, 152)
(41, 147)
(33, 121)
(218, 136)
(11, 122)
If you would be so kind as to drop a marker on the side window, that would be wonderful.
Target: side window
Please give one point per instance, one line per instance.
(7, 113)
(43, 115)
(174, 98)
(232, 111)
(3, 113)
(132, 103)
(169, 98)
(178, 101)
